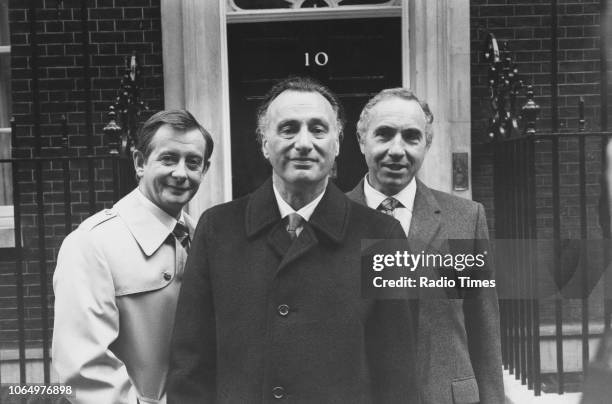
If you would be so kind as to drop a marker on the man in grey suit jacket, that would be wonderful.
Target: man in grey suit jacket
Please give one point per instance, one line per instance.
(458, 343)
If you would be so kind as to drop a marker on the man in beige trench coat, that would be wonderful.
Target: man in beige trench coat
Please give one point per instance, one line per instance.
(118, 274)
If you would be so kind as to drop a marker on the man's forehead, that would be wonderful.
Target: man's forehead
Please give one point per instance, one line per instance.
(168, 138)
(300, 104)
(398, 109)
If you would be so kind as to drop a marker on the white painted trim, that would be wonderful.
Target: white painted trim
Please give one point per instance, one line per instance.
(172, 50)
(194, 35)
(405, 15)
(5, 131)
(225, 101)
(304, 14)
(5, 49)
(7, 226)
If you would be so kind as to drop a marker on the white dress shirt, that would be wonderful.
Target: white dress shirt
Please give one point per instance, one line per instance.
(405, 197)
(305, 211)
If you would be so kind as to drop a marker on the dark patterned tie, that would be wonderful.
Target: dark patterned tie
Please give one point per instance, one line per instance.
(294, 221)
(388, 206)
(181, 232)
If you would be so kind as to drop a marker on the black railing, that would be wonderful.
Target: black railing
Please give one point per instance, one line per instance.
(559, 216)
(547, 191)
(54, 189)
(35, 224)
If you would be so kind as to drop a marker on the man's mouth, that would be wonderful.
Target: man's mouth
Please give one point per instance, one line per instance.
(395, 166)
(303, 161)
(178, 189)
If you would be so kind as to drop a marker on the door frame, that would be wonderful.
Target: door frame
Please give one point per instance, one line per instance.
(195, 63)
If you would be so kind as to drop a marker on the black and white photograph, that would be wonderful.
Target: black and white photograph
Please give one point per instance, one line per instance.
(306, 201)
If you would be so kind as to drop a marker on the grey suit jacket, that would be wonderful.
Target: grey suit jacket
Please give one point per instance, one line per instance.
(458, 343)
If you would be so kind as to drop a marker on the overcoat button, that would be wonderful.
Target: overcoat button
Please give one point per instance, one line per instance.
(278, 392)
(167, 276)
(283, 310)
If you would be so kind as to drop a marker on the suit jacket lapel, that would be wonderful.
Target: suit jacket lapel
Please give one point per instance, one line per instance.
(357, 194)
(425, 223)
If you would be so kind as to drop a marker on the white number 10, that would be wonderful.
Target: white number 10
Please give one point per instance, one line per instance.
(320, 59)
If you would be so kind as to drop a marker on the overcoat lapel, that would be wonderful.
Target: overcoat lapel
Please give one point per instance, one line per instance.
(262, 214)
(327, 224)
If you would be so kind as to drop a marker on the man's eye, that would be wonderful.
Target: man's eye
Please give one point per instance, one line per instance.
(318, 129)
(167, 159)
(412, 137)
(194, 164)
(384, 134)
(287, 130)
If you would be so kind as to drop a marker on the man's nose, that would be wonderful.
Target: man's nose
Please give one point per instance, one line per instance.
(303, 140)
(180, 171)
(396, 147)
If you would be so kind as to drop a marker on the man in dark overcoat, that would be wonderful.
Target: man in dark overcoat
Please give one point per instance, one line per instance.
(271, 308)
(458, 341)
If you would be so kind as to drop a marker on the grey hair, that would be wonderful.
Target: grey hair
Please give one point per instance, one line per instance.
(398, 92)
(300, 84)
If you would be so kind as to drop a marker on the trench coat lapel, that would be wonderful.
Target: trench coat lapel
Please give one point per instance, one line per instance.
(327, 224)
(147, 230)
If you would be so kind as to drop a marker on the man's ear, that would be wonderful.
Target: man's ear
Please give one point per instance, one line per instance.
(337, 145)
(264, 147)
(361, 145)
(139, 162)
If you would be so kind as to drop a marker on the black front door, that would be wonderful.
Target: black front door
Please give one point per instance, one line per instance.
(356, 58)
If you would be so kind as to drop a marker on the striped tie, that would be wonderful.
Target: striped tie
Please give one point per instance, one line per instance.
(294, 222)
(388, 206)
(181, 232)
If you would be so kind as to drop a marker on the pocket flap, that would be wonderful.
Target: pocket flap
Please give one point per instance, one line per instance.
(465, 391)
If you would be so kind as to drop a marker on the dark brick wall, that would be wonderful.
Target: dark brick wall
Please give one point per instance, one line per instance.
(526, 27)
(114, 30)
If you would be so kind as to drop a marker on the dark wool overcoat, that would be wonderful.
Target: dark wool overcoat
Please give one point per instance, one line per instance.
(261, 319)
(458, 341)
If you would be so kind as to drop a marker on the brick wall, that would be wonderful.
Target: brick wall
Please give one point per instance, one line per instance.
(114, 29)
(526, 27)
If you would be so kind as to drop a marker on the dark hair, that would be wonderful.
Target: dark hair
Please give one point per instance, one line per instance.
(301, 84)
(178, 119)
(399, 92)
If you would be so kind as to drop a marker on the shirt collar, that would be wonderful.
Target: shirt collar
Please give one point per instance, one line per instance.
(164, 218)
(306, 211)
(374, 197)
